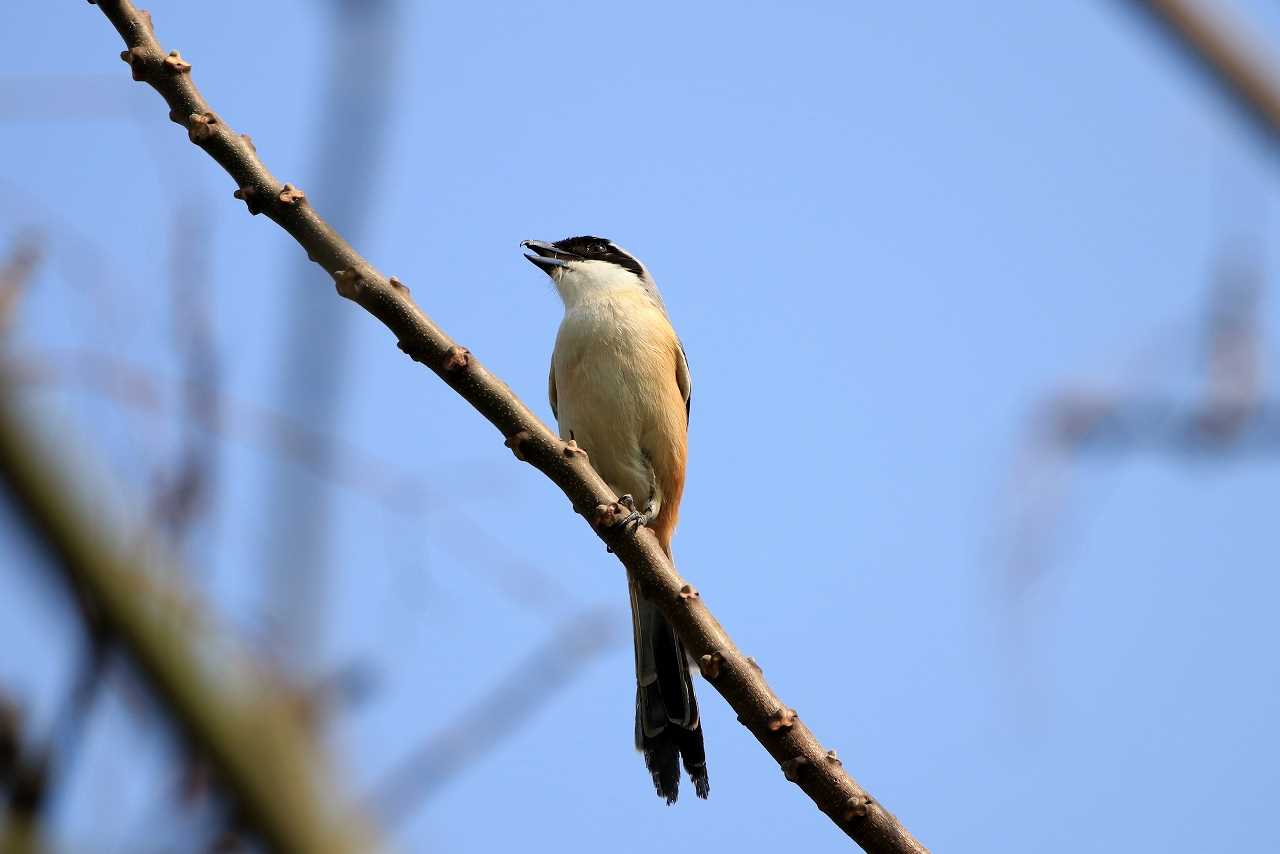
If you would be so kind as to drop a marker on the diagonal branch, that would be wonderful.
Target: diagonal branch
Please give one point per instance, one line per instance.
(1237, 67)
(802, 758)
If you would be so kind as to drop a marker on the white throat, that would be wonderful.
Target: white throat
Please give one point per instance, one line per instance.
(583, 282)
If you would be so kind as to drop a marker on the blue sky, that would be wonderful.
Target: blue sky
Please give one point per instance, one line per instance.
(884, 233)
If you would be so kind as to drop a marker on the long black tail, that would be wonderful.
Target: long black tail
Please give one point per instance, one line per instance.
(667, 724)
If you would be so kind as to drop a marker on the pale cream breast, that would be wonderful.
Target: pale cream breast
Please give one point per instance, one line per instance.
(616, 382)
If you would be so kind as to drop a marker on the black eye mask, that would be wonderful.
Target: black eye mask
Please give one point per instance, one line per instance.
(599, 249)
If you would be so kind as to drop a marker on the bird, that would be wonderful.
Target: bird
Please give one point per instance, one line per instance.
(619, 387)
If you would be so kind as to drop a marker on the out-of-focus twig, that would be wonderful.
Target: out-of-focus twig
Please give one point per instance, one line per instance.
(267, 764)
(1231, 418)
(77, 709)
(183, 491)
(353, 116)
(323, 455)
(1234, 368)
(23, 780)
(1220, 50)
(15, 275)
(803, 759)
(516, 696)
(10, 739)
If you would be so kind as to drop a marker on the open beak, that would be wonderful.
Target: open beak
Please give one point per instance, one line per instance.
(545, 256)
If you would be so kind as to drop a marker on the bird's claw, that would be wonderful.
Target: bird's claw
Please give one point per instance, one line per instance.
(635, 518)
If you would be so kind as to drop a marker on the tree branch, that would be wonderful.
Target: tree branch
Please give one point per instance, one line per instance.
(1237, 68)
(264, 759)
(803, 759)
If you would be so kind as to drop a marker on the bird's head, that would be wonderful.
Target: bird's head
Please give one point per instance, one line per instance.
(585, 267)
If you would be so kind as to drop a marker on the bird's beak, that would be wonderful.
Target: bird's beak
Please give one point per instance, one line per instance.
(545, 256)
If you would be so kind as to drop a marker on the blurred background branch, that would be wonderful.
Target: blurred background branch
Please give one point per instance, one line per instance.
(268, 765)
(515, 696)
(1228, 415)
(287, 439)
(350, 130)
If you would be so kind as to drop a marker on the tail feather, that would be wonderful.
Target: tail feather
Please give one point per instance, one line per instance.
(667, 723)
(695, 759)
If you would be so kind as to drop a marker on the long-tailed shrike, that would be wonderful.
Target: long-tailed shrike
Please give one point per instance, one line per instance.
(619, 387)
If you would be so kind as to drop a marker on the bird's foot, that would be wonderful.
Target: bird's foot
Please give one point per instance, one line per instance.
(635, 518)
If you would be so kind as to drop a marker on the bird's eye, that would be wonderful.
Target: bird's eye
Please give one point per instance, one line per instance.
(600, 248)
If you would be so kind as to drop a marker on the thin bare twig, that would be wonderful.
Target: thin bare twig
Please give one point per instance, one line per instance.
(803, 759)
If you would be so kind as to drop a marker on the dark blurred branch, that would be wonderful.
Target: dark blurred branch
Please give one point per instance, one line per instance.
(1242, 74)
(23, 783)
(10, 739)
(802, 758)
(516, 696)
(32, 772)
(267, 764)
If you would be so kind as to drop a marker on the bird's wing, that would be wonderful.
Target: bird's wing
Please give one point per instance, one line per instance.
(683, 379)
(551, 391)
